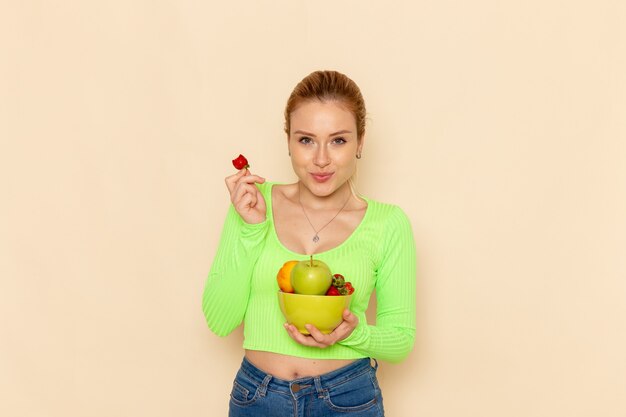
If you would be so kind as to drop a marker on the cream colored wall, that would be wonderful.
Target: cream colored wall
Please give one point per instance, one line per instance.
(498, 126)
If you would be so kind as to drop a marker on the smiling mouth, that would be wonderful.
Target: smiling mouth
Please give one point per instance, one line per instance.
(321, 177)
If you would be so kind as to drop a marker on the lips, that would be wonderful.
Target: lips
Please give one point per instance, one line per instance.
(321, 176)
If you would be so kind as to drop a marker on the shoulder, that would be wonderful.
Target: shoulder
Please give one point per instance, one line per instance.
(390, 222)
(385, 212)
(395, 233)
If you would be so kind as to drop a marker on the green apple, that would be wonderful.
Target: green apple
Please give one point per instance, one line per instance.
(311, 277)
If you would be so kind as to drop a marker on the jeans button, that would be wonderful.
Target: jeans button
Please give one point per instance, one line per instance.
(295, 387)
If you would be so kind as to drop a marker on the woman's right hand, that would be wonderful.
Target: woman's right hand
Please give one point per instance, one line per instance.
(246, 197)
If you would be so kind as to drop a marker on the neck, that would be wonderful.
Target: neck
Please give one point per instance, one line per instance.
(333, 201)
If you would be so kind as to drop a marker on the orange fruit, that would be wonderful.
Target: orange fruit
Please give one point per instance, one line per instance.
(284, 276)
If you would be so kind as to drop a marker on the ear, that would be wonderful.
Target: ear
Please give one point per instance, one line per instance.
(360, 142)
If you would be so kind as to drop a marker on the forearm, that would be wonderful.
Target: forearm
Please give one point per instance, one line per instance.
(227, 288)
(392, 344)
(393, 336)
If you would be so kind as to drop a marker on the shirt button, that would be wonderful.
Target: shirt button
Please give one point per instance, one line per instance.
(295, 387)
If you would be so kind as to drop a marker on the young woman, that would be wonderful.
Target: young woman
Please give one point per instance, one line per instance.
(284, 372)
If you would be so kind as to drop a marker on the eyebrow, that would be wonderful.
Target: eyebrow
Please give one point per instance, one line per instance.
(302, 132)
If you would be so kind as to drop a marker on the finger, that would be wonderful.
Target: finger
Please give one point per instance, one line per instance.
(231, 181)
(260, 201)
(240, 191)
(244, 203)
(346, 327)
(349, 320)
(319, 337)
(251, 179)
(350, 317)
(245, 175)
(237, 175)
(295, 334)
(248, 204)
(248, 179)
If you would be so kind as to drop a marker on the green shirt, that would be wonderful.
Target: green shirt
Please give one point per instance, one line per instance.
(379, 255)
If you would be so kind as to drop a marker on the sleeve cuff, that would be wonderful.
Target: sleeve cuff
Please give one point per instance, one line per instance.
(253, 235)
(359, 335)
(252, 227)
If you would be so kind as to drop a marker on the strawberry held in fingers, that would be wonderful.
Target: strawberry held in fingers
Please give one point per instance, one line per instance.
(241, 162)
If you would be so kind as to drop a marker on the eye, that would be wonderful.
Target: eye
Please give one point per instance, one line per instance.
(339, 141)
(305, 140)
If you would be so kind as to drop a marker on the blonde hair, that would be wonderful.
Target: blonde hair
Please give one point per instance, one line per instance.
(328, 86)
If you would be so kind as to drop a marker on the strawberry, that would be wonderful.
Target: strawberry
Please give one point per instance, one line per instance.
(241, 162)
(338, 280)
(340, 286)
(332, 291)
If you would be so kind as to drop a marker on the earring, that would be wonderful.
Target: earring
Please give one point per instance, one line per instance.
(358, 156)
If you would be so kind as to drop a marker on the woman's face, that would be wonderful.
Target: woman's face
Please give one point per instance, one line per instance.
(323, 145)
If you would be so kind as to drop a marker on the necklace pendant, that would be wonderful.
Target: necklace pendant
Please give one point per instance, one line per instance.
(316, 238)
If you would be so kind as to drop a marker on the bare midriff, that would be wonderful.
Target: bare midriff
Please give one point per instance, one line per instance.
(291, 367)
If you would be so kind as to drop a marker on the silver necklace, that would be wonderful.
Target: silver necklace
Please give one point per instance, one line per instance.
(316, 238)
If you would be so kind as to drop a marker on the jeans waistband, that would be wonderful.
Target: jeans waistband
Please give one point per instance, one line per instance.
(319, 382)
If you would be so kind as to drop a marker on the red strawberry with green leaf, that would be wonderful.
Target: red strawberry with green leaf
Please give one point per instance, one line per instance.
(338, 280)
(241, 162)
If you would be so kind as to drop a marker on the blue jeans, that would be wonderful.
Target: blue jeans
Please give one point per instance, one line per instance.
(351, 390)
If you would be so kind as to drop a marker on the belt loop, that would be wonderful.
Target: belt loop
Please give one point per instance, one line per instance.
(375, 366)
(318, 387)
(264, 385)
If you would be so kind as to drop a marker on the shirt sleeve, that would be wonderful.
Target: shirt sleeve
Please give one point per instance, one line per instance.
(393, 336)
(227, 289)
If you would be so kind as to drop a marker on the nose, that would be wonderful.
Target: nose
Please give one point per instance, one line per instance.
(321, 158)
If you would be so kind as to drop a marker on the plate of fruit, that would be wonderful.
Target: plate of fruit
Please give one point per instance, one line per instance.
(311, 293)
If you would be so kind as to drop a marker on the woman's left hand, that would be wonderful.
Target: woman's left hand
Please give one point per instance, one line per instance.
(321, 340)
